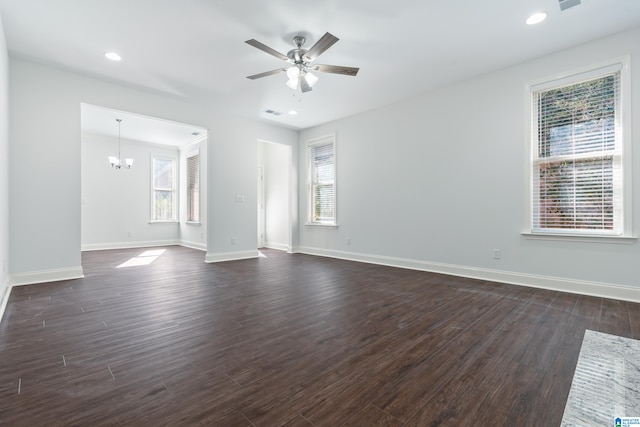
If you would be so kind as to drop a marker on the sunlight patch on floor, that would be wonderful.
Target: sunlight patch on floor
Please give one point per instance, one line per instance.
(145, 258)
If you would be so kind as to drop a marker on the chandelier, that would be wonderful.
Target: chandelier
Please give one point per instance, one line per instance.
(117, 162)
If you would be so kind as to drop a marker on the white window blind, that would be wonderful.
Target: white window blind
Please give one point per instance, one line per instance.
(164, 198)
(577, 158)
(322, 169)
(193, 188)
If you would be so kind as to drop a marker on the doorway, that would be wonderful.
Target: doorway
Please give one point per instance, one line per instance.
(116, 203)
(274, 196)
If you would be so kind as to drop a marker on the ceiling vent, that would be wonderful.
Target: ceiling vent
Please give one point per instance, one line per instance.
(273, 112)
(566, 4)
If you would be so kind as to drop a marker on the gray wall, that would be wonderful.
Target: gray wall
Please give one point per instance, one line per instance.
(4, 170)
(45, 196)
(116, 203)
(440, 181)
(434, 183)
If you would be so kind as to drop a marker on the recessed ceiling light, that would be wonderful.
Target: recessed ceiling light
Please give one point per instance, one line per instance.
(536, 18)
(112, 56)
(293, 113)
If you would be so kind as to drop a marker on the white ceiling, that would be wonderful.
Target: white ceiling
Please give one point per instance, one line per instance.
(194, 49)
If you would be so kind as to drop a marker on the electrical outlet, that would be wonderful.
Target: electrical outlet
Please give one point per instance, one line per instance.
(348, 241)
(233, 240)
(496, 254)
(130, 233)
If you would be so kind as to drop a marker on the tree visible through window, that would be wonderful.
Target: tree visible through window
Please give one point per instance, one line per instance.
(164, 191)
(577, 173)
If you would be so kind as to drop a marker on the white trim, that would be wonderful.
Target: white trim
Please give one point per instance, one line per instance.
(590, 238)
(621, 64)
(575, 286)
(175, 191)
(577, 75)
(193, 245)
(44, 276)
(128, 245)
(277, 246)
(230, 256)
(187, 156)
(5, 292)
(322, 140)
(319, 224)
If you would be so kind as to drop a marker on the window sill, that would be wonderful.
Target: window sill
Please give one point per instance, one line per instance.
(195, 223)
(163, 222)
(319, 224)
(624, 240)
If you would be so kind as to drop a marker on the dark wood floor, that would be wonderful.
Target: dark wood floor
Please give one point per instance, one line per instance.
(290, 340)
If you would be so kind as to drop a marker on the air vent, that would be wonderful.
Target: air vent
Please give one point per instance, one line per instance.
(273, 112)
(566, 4)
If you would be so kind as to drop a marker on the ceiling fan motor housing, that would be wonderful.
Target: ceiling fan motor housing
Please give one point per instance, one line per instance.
(296, 55)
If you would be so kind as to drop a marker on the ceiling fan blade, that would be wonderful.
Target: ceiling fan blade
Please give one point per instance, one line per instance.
(336, 69)
(321, 45)
(267, 73)
(304, 85)
(265, 48)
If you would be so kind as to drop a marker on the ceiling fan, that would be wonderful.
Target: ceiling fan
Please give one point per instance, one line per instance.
(299, 73)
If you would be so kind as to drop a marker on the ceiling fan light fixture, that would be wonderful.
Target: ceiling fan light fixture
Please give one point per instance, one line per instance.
(310, 78)
(293, 83)
(293, 72)
(300, 61)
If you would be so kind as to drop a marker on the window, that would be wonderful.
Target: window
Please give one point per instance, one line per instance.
(163, 200)
(322, 181)
(577, 155)
(193, 188)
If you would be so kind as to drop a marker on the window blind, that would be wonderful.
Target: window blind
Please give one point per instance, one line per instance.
(323, 194)
(163, 201)
(193, 188)
(577, 173)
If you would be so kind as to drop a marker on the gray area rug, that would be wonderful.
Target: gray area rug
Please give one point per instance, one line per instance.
(605, 390)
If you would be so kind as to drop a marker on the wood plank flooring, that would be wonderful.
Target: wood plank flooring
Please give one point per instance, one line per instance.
(291, 340)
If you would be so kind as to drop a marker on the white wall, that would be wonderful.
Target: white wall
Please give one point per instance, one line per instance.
(4, 171)
(45, 191)
(438, 182)
(277, 160)
(115, 203)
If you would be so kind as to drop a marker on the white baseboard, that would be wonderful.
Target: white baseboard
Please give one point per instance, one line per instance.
(5, 291)
(230, 256)
(127, 245)
(575, 286)
(33, 277)
(193, 245)
(277, 246)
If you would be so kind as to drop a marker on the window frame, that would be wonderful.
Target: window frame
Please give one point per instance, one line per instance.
(189, 211)
(316, 142)
(623, 234)
(173, 189)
